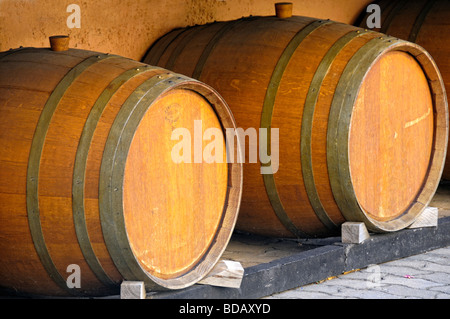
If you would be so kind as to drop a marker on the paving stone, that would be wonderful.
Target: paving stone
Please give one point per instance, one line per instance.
(323, 287)
(353, 283)
(404, 270)
(445, 289)
(436, 264)
(437, 277)
(368, 294)
(411, 282)
(440, 251)
(404, 291)
(424, 276)
(437, 267)
(302, 294)
(412, 263)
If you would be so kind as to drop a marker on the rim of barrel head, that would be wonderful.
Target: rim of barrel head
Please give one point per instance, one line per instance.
(351, 208)
(121, 251)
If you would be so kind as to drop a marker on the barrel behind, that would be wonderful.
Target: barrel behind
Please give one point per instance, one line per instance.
(88, 183)
(362, 119)
(426, 23)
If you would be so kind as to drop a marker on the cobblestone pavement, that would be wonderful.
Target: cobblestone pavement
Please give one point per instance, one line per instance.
(424, 276)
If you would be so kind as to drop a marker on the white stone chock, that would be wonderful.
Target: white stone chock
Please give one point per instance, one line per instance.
(226, 273)
(354, 232)
(132, 290)
(428, 218)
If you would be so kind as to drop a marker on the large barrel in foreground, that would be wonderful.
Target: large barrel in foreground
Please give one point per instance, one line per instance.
(362, 119)
(90, 194)
(425, 22)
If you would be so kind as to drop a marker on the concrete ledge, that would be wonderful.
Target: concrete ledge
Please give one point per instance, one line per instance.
(331, 257)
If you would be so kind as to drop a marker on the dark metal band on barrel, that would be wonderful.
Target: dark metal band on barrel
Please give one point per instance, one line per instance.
(307, 124)
(339, 125)
(112, 171)
(34, 165)
(398, 6)
(158, 49)
(212, 44)
(266, 120)
(80, 170)
(182, 44)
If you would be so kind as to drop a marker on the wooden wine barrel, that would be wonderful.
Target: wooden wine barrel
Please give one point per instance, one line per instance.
(361, 118)
(89, 193)
(424, 22)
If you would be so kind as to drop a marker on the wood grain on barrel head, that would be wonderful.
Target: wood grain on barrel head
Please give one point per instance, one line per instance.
(391, 135)
(172, 210)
